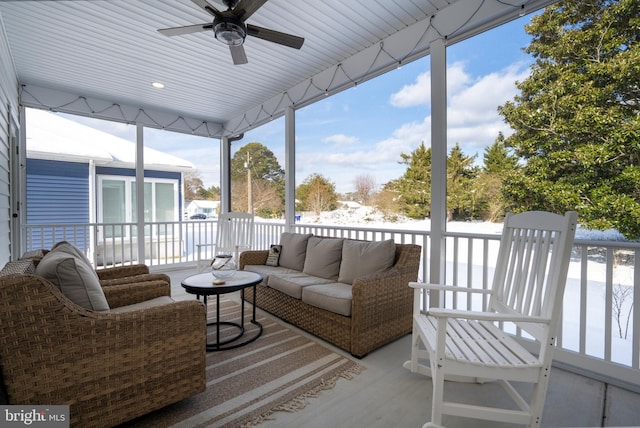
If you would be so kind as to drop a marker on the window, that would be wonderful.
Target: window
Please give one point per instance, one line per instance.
(117, 203)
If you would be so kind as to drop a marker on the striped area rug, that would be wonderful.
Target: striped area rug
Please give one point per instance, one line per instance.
(277, 372)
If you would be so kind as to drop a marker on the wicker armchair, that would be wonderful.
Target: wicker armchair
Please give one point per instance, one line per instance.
(126, 285)
(109, 367)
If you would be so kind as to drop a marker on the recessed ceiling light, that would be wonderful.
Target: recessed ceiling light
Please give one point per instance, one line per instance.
(157, 85)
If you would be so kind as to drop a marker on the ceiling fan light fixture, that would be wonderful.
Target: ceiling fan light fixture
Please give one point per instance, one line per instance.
(230, 33)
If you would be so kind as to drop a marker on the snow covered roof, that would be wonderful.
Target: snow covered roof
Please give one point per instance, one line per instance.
(53, 137)
(203, 204)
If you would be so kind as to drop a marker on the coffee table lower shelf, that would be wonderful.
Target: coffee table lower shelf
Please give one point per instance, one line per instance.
(232, 342)
(202, 285)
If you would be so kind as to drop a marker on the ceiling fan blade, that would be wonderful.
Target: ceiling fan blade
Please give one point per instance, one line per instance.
(245, 8)
(212, 10)
(275, 36)
(187, 29)
(238, 54)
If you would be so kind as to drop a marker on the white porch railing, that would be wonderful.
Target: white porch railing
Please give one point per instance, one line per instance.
(601, 324)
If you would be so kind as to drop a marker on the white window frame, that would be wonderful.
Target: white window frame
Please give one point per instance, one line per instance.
(128, 184)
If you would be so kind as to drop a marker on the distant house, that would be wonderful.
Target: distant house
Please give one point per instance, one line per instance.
(77, 174)
(208, 208)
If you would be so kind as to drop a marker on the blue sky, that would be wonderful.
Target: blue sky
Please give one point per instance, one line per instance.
(363, 130)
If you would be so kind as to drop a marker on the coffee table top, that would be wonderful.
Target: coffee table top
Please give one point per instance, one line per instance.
(202, 283)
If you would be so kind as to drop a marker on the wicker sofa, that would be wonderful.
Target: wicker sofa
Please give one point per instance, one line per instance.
(338, 289)
(110, 366)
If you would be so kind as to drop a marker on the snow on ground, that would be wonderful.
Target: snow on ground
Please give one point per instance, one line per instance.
(353, 214)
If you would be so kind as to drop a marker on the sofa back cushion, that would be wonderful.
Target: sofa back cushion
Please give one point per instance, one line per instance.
(323, 257)
(294, 250)
(361, 258)
(76, 279)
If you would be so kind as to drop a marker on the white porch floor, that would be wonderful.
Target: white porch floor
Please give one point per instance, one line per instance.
(386, 395)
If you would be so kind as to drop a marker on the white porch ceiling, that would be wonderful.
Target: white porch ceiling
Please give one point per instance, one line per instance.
(99, 58)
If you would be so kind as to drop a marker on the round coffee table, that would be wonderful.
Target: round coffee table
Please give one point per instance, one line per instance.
(202, 285)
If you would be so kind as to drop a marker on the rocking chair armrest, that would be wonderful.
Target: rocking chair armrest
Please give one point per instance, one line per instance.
(440, 287)
(485, 316)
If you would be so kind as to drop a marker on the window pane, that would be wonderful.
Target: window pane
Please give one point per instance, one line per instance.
(113, 206)
(165, 202)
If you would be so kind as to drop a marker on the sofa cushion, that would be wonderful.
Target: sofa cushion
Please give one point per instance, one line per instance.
(267, 271)
(335, 297)
(361, 258)
(19, 266)
(77, 280)
(323, 257)
(292, 283)
(294, 249)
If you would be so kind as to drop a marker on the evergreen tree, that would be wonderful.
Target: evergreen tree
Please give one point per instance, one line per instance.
(577, 117)
(497, 159)
(263, 163)
(461, 174)
(497, 162)
(414, 187)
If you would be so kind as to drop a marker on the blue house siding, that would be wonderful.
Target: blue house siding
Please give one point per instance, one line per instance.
(57, 193)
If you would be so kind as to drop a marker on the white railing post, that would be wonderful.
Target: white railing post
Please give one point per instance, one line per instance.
(140, 191)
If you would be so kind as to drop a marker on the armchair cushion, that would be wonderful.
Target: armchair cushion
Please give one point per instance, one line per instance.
(76, 279)
(162, 300)
(362, 258)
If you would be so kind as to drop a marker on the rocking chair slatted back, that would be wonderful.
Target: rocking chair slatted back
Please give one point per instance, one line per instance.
(528, 285)
(235, 233)
(529, 267)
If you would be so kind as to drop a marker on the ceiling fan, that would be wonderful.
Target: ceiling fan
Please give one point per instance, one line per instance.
(229, 27)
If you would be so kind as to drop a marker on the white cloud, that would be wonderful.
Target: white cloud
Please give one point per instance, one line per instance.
(473, 121)
(419, 92)
(340, 139)
(415, 94)
(472, 116)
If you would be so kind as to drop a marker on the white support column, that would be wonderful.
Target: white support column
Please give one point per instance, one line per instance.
(225, 175)
(18, 178)
(140, 191)
(437, 260)
(290, 168)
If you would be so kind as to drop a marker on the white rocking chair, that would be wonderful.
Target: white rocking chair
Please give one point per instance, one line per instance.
(234, 235)
(528, 286)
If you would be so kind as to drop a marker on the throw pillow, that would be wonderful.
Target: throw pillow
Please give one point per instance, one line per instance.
(77, 280)
(361, 258)
(294, 250)
(274, 255)
(71, 249)
(323, 257)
